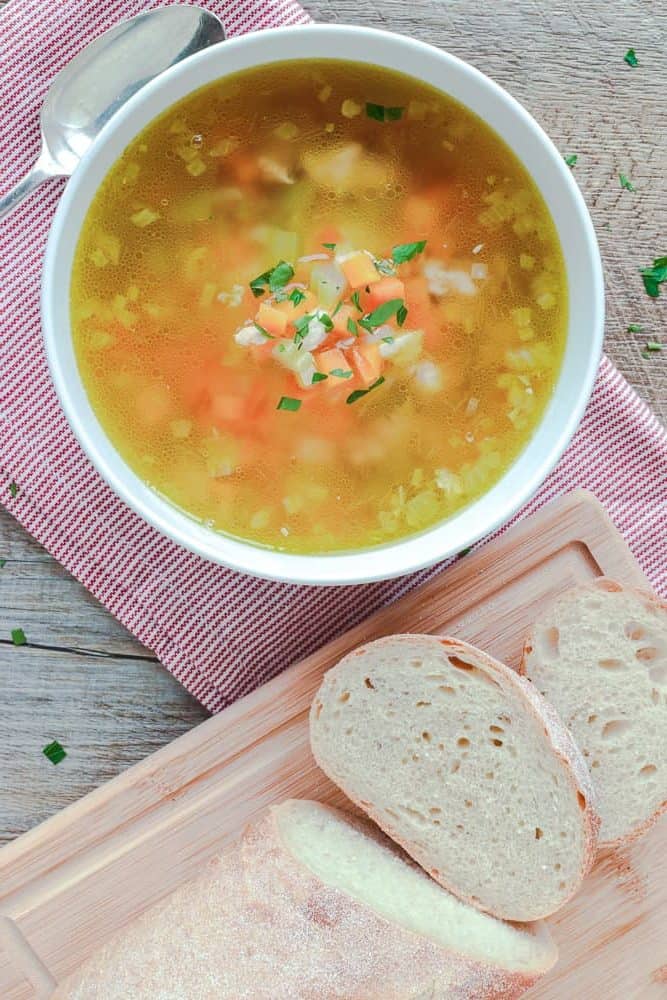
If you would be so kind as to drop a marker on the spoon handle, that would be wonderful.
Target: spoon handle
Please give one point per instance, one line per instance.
(41, 171)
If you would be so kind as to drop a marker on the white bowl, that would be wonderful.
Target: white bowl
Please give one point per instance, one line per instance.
(534, 149)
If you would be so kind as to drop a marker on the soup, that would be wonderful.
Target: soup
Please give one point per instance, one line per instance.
(318, 306)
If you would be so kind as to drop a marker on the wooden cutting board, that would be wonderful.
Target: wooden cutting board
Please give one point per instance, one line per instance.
(69, 884)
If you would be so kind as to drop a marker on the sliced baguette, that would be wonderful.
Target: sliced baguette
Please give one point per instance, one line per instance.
(599, 654)
(465, 765)
(314, 906)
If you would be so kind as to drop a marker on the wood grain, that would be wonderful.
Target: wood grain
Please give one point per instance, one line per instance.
(68, 885)
(564, 61)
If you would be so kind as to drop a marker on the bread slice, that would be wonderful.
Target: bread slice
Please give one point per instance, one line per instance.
(465, 765)
(314, 906)
(599, 654)
(345, 914)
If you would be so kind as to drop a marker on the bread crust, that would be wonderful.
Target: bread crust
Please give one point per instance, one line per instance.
(557, 733)
(607, 584)
(378, 960)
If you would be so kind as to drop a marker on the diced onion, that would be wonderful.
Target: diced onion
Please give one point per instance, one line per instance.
(479, 272)
(249, 335)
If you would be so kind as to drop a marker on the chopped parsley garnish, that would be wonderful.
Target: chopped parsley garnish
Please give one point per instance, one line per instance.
(358, 393)
(318, 377)
(401, 315)
(288, 403)
(355, 300)
(571, 159)
(329, 246)
(387, 340)
(463, 552)
(653, 345)
(296, 296)
(264, 333)
(626, 183)
(341, 373)
(352, 328)
(654, 276)
(13, 490)
(634, 328)
(55, 751)
(326, 321)
(630, 58)
(274, 279)
(18, 637)
(339, 306)
(382, 114)
(383, 313)
(406, 251)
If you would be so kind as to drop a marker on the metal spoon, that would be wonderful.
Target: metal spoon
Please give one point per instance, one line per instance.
(101, 78)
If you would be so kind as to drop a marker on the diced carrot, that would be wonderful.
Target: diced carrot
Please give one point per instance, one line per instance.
(261, 353)
(421, 310)
(227, 409)
(272, 320)
(367, 362)
(340, 320)
(383, 291)
(327, 234)
(331, 359)
(420, 215)
(295, 311)
(358, 268)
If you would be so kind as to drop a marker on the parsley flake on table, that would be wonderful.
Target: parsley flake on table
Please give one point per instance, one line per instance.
(19, 637)
(630, 58)
(55, 751)
(654, 276)
(571, 160)
(652, 347)
(3, 563)
(634, 328)
(626, 183)
(13, 490)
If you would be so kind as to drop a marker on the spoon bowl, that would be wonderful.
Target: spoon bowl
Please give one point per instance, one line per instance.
(91, 88)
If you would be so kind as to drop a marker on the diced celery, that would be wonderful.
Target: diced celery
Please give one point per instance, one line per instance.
(526, 262)
(144, 217)
(260, 519)
(224, 147)
(124, 316)
(98, 340)
(181, 429)
(421, 509)
(197, 167)
(193, 264)
(207, 294)
(417, 111)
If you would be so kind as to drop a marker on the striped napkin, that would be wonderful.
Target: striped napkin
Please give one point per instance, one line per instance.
(219, 632)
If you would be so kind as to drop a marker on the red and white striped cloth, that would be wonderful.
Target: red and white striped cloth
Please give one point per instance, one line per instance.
(220, 633)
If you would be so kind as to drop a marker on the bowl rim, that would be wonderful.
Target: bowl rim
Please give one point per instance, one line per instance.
(393, 559)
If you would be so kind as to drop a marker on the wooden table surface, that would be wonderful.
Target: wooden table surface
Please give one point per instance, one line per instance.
(82, 678)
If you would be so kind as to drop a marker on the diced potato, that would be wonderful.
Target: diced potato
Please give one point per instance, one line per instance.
(358, 268)
(325, 93)
(422, 509)
(99, 340)
(526, 262)
(260, 519)
(417, 111)
(286, 131)
(350, 109)
(153, 404)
